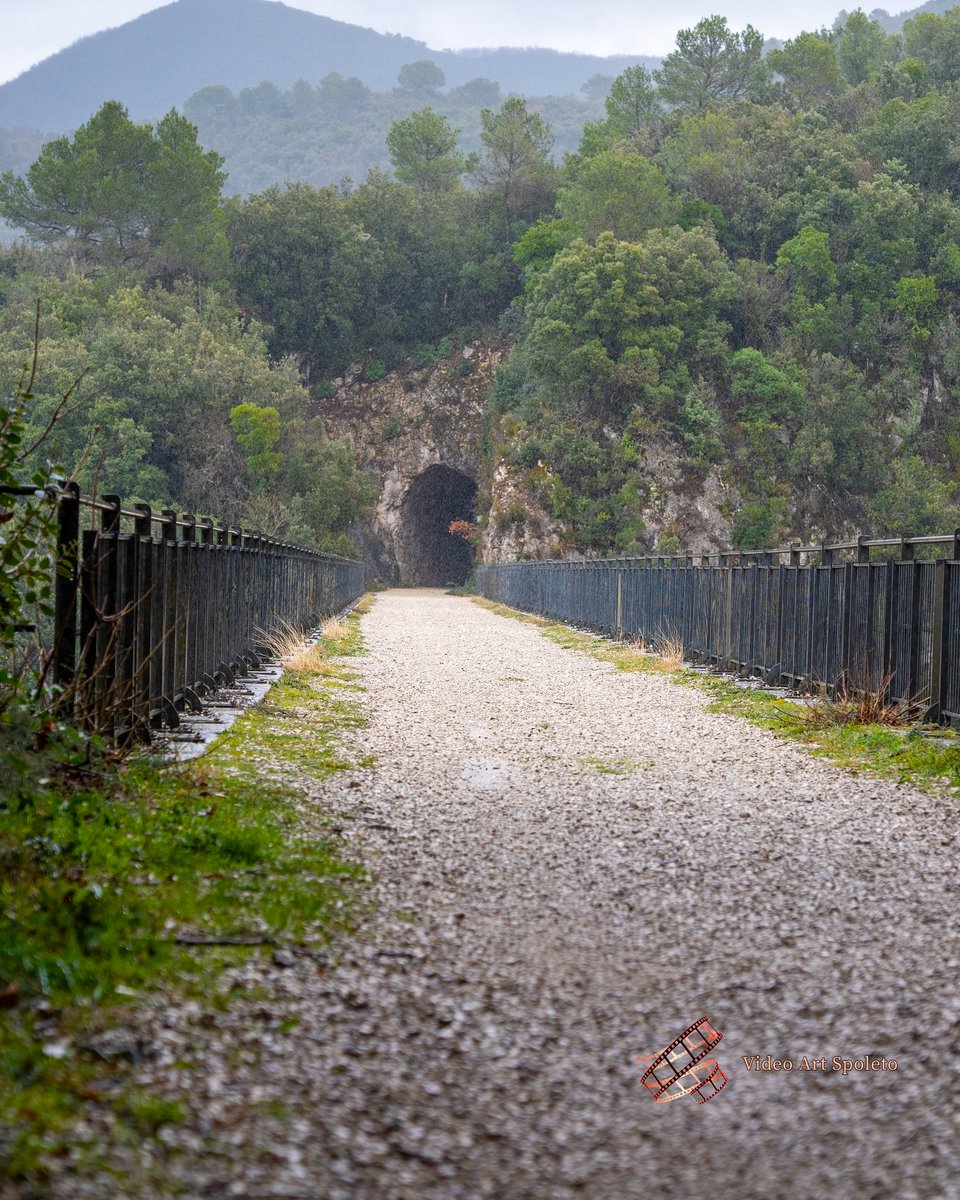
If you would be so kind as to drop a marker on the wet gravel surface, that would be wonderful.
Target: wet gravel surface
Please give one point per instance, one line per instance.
(571, 865)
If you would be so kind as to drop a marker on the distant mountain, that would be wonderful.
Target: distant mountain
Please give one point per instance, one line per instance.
(158, 60)
(895, 23)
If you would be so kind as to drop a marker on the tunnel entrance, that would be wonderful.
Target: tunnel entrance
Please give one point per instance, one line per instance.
(431, 556)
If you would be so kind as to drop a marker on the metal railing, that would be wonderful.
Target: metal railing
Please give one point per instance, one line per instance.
(155, 611)
(870, 613)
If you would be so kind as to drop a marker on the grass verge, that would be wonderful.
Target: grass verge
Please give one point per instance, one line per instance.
(112, 875)
(924, 756)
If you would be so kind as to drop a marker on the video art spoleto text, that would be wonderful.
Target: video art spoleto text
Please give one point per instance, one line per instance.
(845, 1066)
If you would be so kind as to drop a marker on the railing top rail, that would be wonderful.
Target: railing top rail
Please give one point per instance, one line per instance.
(166, 517)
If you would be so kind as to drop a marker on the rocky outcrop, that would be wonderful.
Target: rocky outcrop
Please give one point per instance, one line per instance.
(690, 512)
(424, 435)
(517, 524)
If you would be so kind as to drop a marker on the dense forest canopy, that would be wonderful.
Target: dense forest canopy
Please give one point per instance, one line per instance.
(752, 258)
(340, 128)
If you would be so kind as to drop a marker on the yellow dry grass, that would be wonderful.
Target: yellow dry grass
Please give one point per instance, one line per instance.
(669, 649)
(334, 629)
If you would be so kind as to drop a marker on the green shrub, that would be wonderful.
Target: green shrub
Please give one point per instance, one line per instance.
(527, 454)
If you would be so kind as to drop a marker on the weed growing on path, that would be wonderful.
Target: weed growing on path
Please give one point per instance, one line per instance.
(617, 766)
(669, 649)
(299, 722)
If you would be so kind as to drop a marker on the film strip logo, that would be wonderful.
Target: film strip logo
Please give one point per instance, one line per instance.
(685, 1067)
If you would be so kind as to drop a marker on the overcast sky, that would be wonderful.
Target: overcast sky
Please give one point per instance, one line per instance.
(34, 29)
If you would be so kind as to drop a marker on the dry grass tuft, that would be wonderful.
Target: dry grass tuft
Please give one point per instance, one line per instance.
(309, 657)
(292, 647)
(670, 650)
(296, 648)
(282, 640)
(859, 704)
(335, 629)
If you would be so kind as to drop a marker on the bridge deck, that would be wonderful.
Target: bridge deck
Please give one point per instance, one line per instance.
(574, 864)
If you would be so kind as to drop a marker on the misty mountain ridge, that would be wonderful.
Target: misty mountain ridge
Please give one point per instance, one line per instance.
(896, 22)
(158, 60)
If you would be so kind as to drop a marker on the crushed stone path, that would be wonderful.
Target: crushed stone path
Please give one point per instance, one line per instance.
(572, 864)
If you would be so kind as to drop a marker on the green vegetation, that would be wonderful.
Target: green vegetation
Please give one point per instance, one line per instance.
(178, 402)
(748, 269)
(925, 757)
(119, 878)
(375, 272)
(340, 128)
(617, 766)
(228, 43)
(117, 192)
(750, 262)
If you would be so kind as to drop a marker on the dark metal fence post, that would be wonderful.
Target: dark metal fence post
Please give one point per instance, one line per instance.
(142, 626)
(106, 636)
(827, 612)
(189, 602)
(940, 632)
(727, 651)
(65, 590)
(148, 663)
(170, 624)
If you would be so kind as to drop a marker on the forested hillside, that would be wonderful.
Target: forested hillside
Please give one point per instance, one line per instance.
(158, 60)
(757, 260)
(751, 261)
(896, 22)
(338, 129)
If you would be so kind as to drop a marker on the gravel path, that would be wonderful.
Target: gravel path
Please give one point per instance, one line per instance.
(574, 863)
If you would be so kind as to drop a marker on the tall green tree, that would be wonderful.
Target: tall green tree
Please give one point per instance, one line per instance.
(422, 240)
(617, 324)
(808, 64)
(806, 261)
(120, 192)
(619, 191)
(712, 64)
(634, 116)
(187, 233)
(303, 265)
(515, 165)
(934, 40)
(423, 77)
(423, 150)
(257, 430)
(863, 47)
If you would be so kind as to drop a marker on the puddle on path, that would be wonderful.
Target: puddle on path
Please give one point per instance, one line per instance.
(487, 774)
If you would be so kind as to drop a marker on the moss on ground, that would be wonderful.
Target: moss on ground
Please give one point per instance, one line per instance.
(924, 756)
(107, 874)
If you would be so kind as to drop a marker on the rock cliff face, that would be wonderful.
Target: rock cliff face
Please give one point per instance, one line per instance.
(684, 514)
(424, 434)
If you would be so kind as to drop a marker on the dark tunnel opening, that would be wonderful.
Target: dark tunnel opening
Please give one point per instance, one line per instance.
(432, 556)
